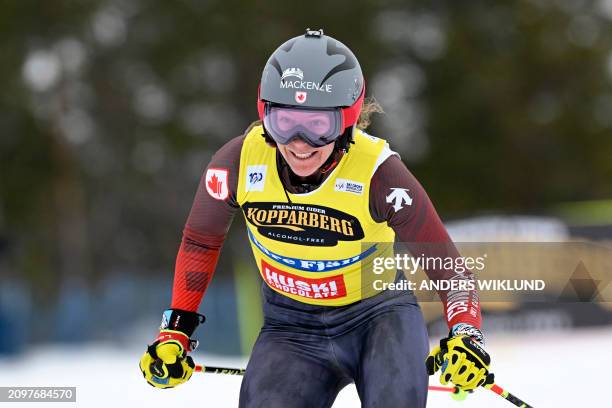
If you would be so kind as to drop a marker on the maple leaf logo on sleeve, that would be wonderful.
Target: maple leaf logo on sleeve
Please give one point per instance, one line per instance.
(217, 183)
(214, 184)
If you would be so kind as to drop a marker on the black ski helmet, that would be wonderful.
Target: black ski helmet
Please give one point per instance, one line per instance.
(313, 71)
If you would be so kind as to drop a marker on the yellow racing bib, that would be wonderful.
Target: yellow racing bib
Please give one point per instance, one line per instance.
(316, 247)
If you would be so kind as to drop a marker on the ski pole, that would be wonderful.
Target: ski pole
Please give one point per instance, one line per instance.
(219, 370)
(240, 371)
(443, 389)
(457, 392)
(509, 397)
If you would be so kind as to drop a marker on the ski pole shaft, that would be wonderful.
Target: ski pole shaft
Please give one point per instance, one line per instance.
(219, 370)
(240, 371)
(443, 389)
(505, 394)
(494, 387)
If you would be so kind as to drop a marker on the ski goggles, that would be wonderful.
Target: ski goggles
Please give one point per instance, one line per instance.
(317, 127)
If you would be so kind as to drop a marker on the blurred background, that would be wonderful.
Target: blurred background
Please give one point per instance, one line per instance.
(111, 110)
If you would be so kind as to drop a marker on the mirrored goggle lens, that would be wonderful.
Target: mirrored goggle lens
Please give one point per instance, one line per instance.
(316, 127)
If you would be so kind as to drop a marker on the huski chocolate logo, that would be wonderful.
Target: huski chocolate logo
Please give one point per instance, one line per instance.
(331, 287)
(302, 224)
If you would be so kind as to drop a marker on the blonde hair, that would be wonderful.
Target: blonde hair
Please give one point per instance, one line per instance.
(370, 106)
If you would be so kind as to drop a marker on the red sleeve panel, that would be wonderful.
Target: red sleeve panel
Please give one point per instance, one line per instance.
(209, 220)
(416, 223)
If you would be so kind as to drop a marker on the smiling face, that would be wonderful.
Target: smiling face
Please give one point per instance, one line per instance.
(315, 128)
(304, 159)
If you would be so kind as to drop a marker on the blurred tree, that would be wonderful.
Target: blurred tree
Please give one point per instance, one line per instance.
(519, 107)
(111, 109)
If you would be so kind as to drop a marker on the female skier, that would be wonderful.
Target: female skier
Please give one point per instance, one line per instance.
(321, 198)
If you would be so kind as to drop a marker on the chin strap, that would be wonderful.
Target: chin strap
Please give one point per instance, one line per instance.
(335, 159)
(344, 142)
(341, 147)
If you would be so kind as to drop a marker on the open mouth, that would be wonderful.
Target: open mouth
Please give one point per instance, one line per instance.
(302, 156)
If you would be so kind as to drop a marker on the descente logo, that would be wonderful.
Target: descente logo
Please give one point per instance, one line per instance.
(302, 224)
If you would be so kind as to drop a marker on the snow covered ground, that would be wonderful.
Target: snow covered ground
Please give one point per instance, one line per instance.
(563, 369)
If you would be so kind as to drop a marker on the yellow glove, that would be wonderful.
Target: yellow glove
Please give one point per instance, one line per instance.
(462, 361)
(166, 364)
